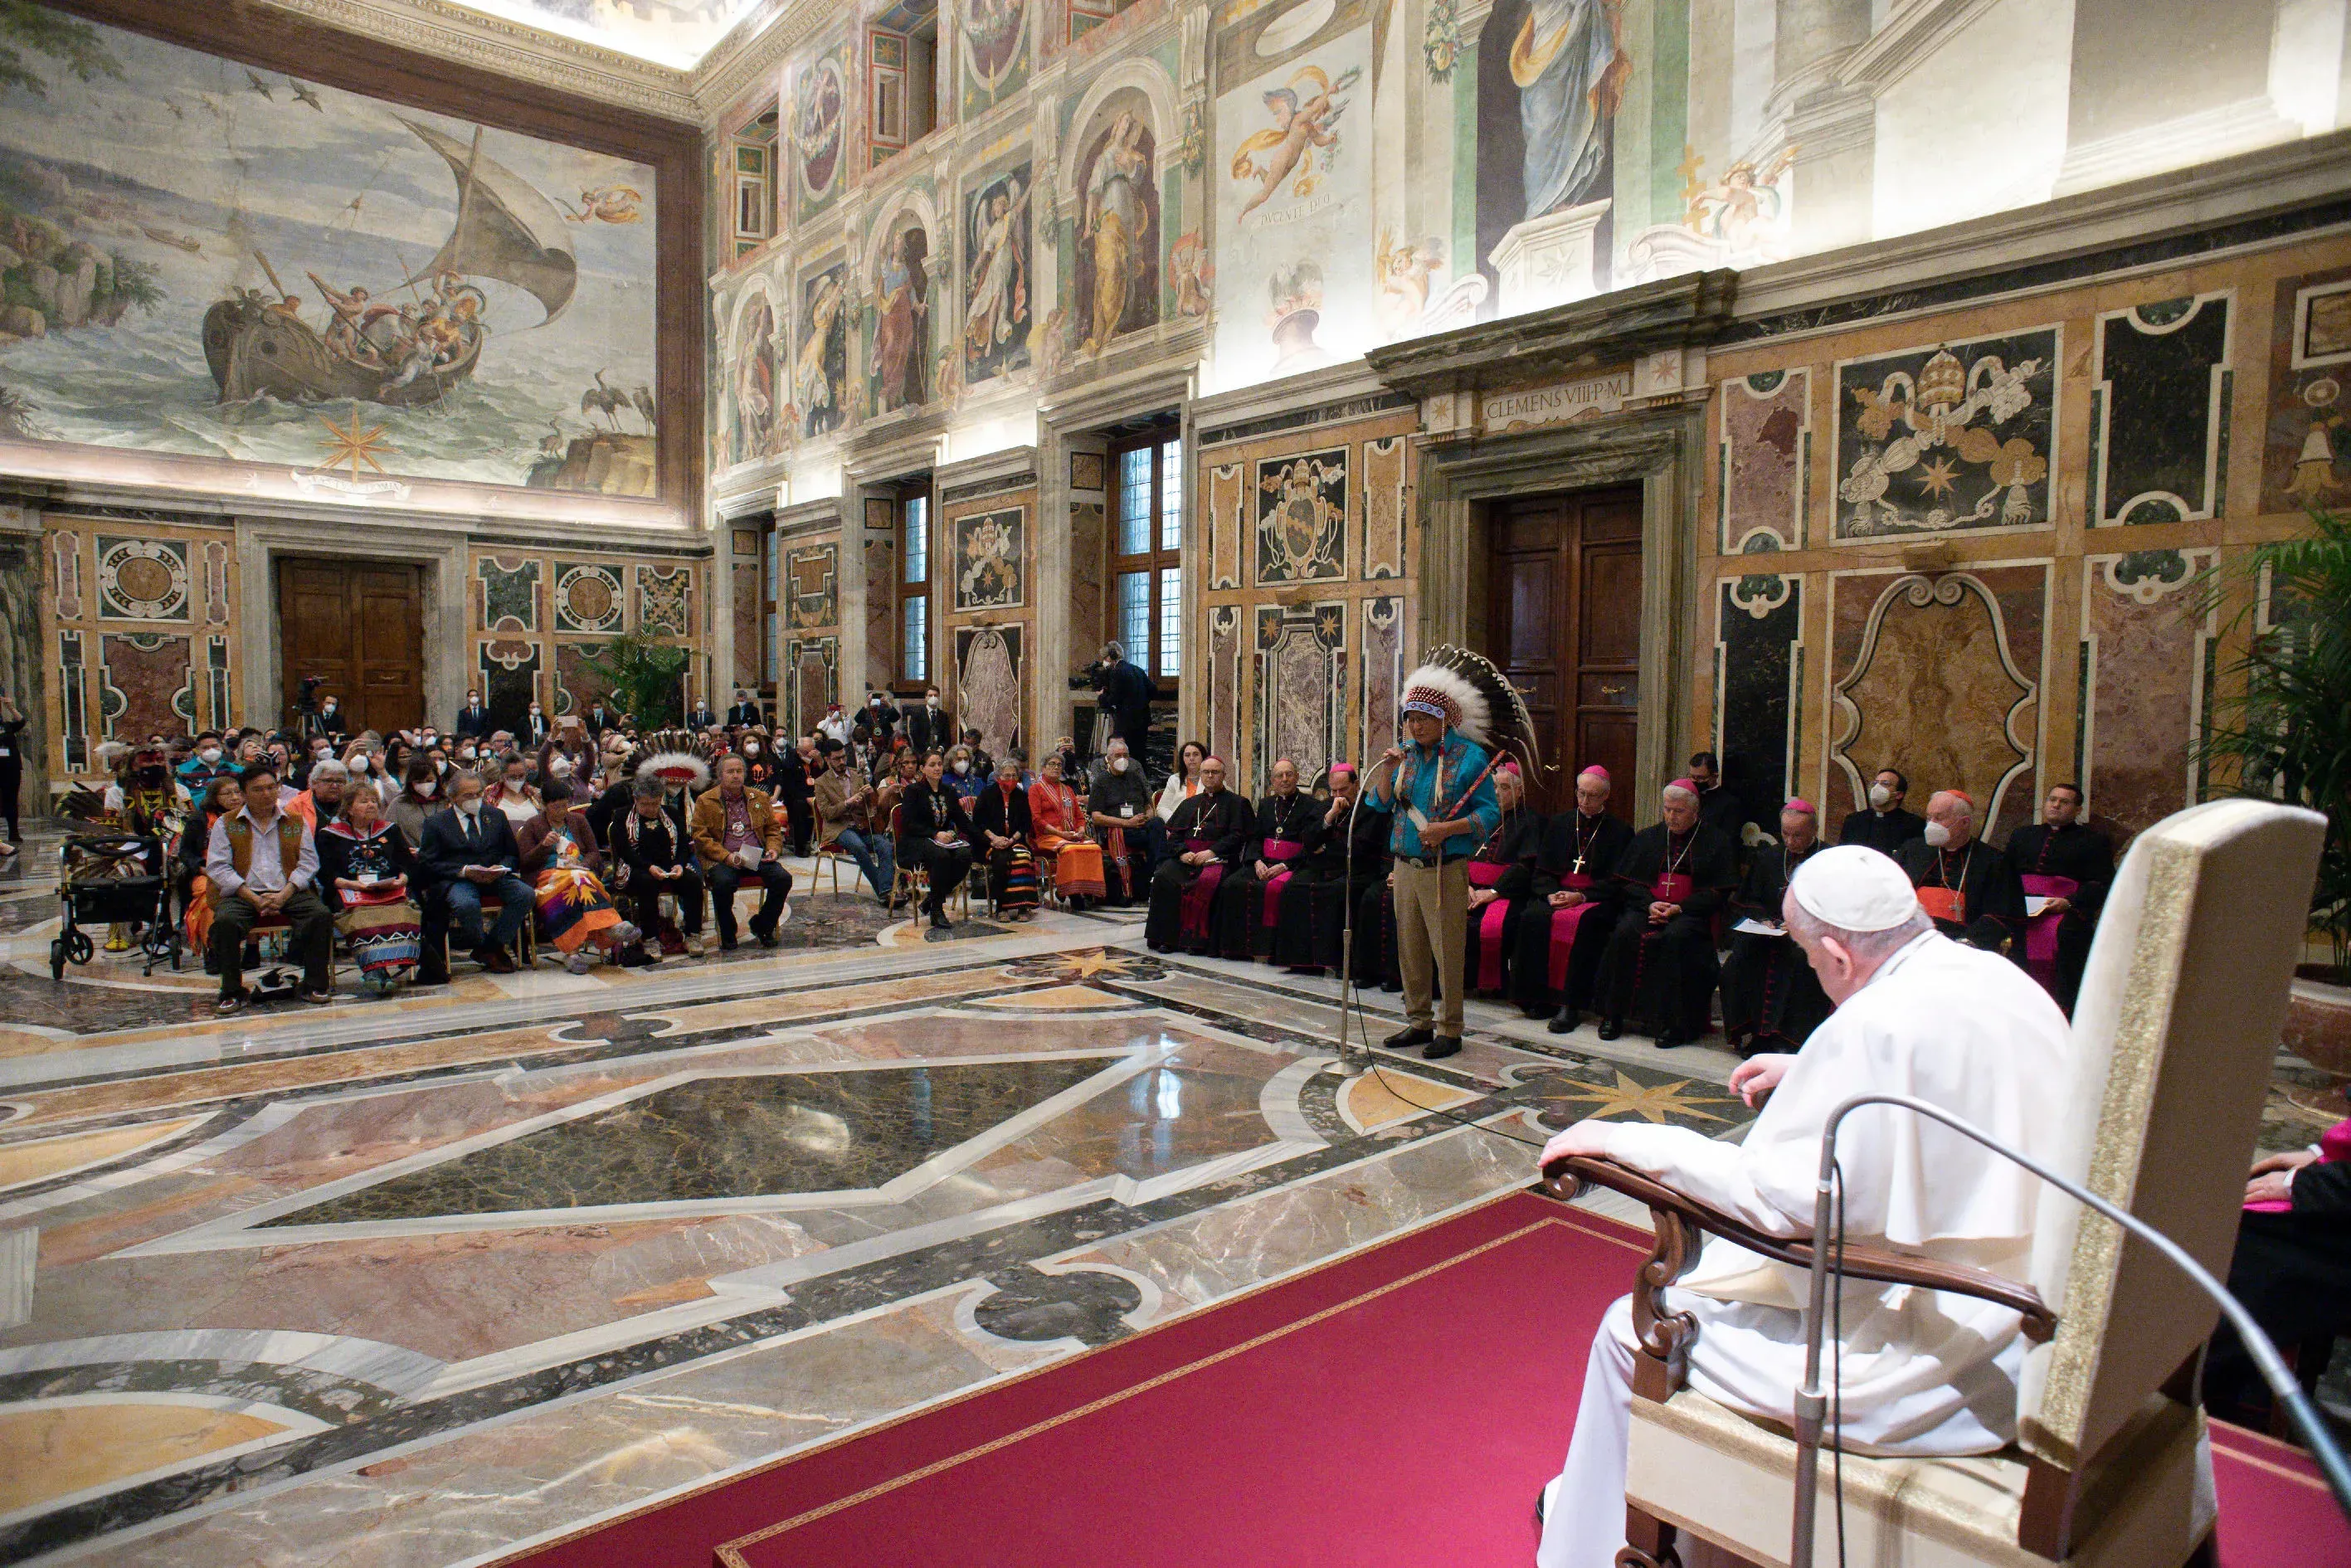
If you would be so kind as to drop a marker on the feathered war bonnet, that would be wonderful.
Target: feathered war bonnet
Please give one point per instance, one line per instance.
(1465, 691)
(675, 756)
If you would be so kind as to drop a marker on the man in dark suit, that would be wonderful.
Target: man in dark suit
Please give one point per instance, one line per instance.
(929, 727)
(472, 719)
(599, 718)
(743, 714)
(534, 729)
(1123, 694)
(700, 717)
(468, 855)
(1886, 827)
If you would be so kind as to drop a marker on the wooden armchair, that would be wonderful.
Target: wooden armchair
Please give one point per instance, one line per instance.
(2176, 1023)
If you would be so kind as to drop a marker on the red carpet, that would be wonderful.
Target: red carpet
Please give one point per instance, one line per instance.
(1402, 1405)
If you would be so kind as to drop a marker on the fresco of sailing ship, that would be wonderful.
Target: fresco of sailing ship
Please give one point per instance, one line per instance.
(426, 335)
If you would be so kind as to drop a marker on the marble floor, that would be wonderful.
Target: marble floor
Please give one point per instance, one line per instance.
(424, 1282)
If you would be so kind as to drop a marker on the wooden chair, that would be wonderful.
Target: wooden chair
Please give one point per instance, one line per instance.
(524, 946)
(914, 885)
(828, 858)
(2176, 1023)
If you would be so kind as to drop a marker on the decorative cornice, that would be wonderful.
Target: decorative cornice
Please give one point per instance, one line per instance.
(1611, 328)
(512, 49)
(757, 47)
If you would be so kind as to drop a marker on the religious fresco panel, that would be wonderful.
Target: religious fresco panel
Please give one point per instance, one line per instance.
(2159, 411)
(1301, 689)
(998, 279)
(820, 364)
(2306, 451)
(1301, 518)
(1385, 496)
(994, 40)
(988, 693)
(1955, 437)
(751, 425)
(2146, 647)
(821, 130)
(1758, 678)
(1761, 483)
(986, 556)
(1119, 231)
(1941, 678)
(898, 356)
(146, 686)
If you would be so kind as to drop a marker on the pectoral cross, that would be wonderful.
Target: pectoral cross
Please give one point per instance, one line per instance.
(1578, 860)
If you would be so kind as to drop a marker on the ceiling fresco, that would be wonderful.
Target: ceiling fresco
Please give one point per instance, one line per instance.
(674, 32)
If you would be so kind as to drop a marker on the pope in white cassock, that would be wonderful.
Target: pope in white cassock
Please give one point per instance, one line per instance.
(1925, 1372)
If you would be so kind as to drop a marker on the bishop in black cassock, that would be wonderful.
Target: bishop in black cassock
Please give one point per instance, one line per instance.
(1288, 826)
(1660, 970)
(1575, 907)
(1772, 1000)
(1204, 840)
(1350, 857)
(1502, 869)
(2061, 859)
(1965, 884)
(1884, 826)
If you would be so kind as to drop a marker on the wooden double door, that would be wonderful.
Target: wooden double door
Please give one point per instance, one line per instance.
(359, 624)
(1563, 621)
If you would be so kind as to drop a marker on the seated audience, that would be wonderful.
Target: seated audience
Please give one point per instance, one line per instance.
(558, 851)
(1287, 827)
(844, 810)
(1968, 886)
(1204, 837)
(1119, 810)
(739, 835)
(1007, 835)
(330, 783)
(467, 858)
(963, 780)
(1772, 1000)
(1577, 904)
(649, 840)
(1348, 855)
(1884, 826)
(1660, 970)
(934, 837)
(509, 790)
(366, 865)
(419, 798)
(2291, 1268)
(264, 861)
(1057, 816)
(1501, 885)
(2070, 864)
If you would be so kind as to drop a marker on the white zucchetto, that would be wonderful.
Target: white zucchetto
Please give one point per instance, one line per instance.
(1854, 889)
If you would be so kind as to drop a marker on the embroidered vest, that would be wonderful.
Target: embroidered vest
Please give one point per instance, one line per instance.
(289, 844)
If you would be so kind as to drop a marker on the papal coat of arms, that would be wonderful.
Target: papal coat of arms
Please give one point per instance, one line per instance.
(1302, 518)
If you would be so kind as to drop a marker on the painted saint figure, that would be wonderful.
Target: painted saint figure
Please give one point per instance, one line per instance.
(812, 376)
(902, 330)
(1569, 66)
(997, 314)
(1118, 228)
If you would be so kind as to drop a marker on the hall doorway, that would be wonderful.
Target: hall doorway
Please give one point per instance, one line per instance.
(359, 624)
(1563, 621)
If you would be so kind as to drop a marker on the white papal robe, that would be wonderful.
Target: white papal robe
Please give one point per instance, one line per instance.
(1925, 1372)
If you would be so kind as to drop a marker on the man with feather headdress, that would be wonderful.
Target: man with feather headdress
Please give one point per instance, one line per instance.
(1440, 787)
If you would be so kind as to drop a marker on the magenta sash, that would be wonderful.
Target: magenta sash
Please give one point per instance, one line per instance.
(2334, 1148)
(1199, 894)
(1277, 849)
(2041, 931)
(1486, 873)
(1672, 887)
(1564, 924)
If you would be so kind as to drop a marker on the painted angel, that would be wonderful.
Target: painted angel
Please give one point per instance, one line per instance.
(609, 205)
(998, 304)
(1404, 271)
(1300, 126)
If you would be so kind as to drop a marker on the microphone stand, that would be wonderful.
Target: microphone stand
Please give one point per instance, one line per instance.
(1811, 1402)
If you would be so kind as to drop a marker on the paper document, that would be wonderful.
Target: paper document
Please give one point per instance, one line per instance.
(2034, 905)
(1758, 928)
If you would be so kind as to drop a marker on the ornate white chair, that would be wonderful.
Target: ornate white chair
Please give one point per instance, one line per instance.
(2176, 1023)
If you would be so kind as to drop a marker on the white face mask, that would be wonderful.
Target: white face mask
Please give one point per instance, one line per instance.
(359, 765)
(211, 754)
(330, 705)
(428, 789)
(1118, 765)
(1880, 797)
(1938, 835)
(534, 712)
(962, 768)
(931, 701)
(750, 748)
(560, 768)
(472, 808)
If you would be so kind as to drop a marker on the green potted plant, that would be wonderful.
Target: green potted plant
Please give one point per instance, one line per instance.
(645, 678)
(2281, 726)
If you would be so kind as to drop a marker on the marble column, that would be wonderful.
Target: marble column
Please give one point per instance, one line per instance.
(21, 656)
(1832, 124)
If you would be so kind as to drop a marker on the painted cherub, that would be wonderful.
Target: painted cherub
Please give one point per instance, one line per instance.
(1299, 127)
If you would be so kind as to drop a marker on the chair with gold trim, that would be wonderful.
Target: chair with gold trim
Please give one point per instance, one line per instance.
(2176, 1024)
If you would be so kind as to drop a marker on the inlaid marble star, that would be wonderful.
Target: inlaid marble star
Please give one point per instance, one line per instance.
(1938, 478)
(1651, 1100)
(1086, 966)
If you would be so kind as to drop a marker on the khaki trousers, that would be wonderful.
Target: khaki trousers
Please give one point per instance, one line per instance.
(1431, 917)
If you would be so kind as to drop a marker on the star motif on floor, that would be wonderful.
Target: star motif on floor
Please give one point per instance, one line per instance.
(1653, 1101)
(1088, 964)
(349, 445)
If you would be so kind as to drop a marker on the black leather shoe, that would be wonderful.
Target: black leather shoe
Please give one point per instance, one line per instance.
(1672, 1038)
(1443, 1046)
(1407, 1037)
(1612, 1029)
(1564, 1020)
(1535, 1010)
(939, 921)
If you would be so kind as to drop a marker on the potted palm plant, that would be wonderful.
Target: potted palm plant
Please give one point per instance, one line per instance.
(2283, 729)
(645, 678)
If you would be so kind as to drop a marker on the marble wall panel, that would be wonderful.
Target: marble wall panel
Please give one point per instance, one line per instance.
(144, 579)
(750, 666)
(577, 686)
(73, 701)
(1758, 679)
(589, 598)
(1302, 685)
(988, 556)
(2306, 451)
(1224, 680)
(881, 612)
(989, 696)
(1383, 502)
(512, 670)
(221, 697)
(2159, 411)
(509, 594)
(1089, 570)
(1941, 678)
(1383, 671)
(66, 574)
(1226, 521)
(813, 667)
(146, 686)
(1764, 459)
(811, 574)
(2145, 658)
(666, 601)
(1950, 437)
(216, 571)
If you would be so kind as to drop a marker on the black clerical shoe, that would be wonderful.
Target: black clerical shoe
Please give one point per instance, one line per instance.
(1672, 1038)
(1612, 1029)
(1443, 1046)
(1407, 1037)
(1535, 1010)
(939, 921)
(1564, 1020)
